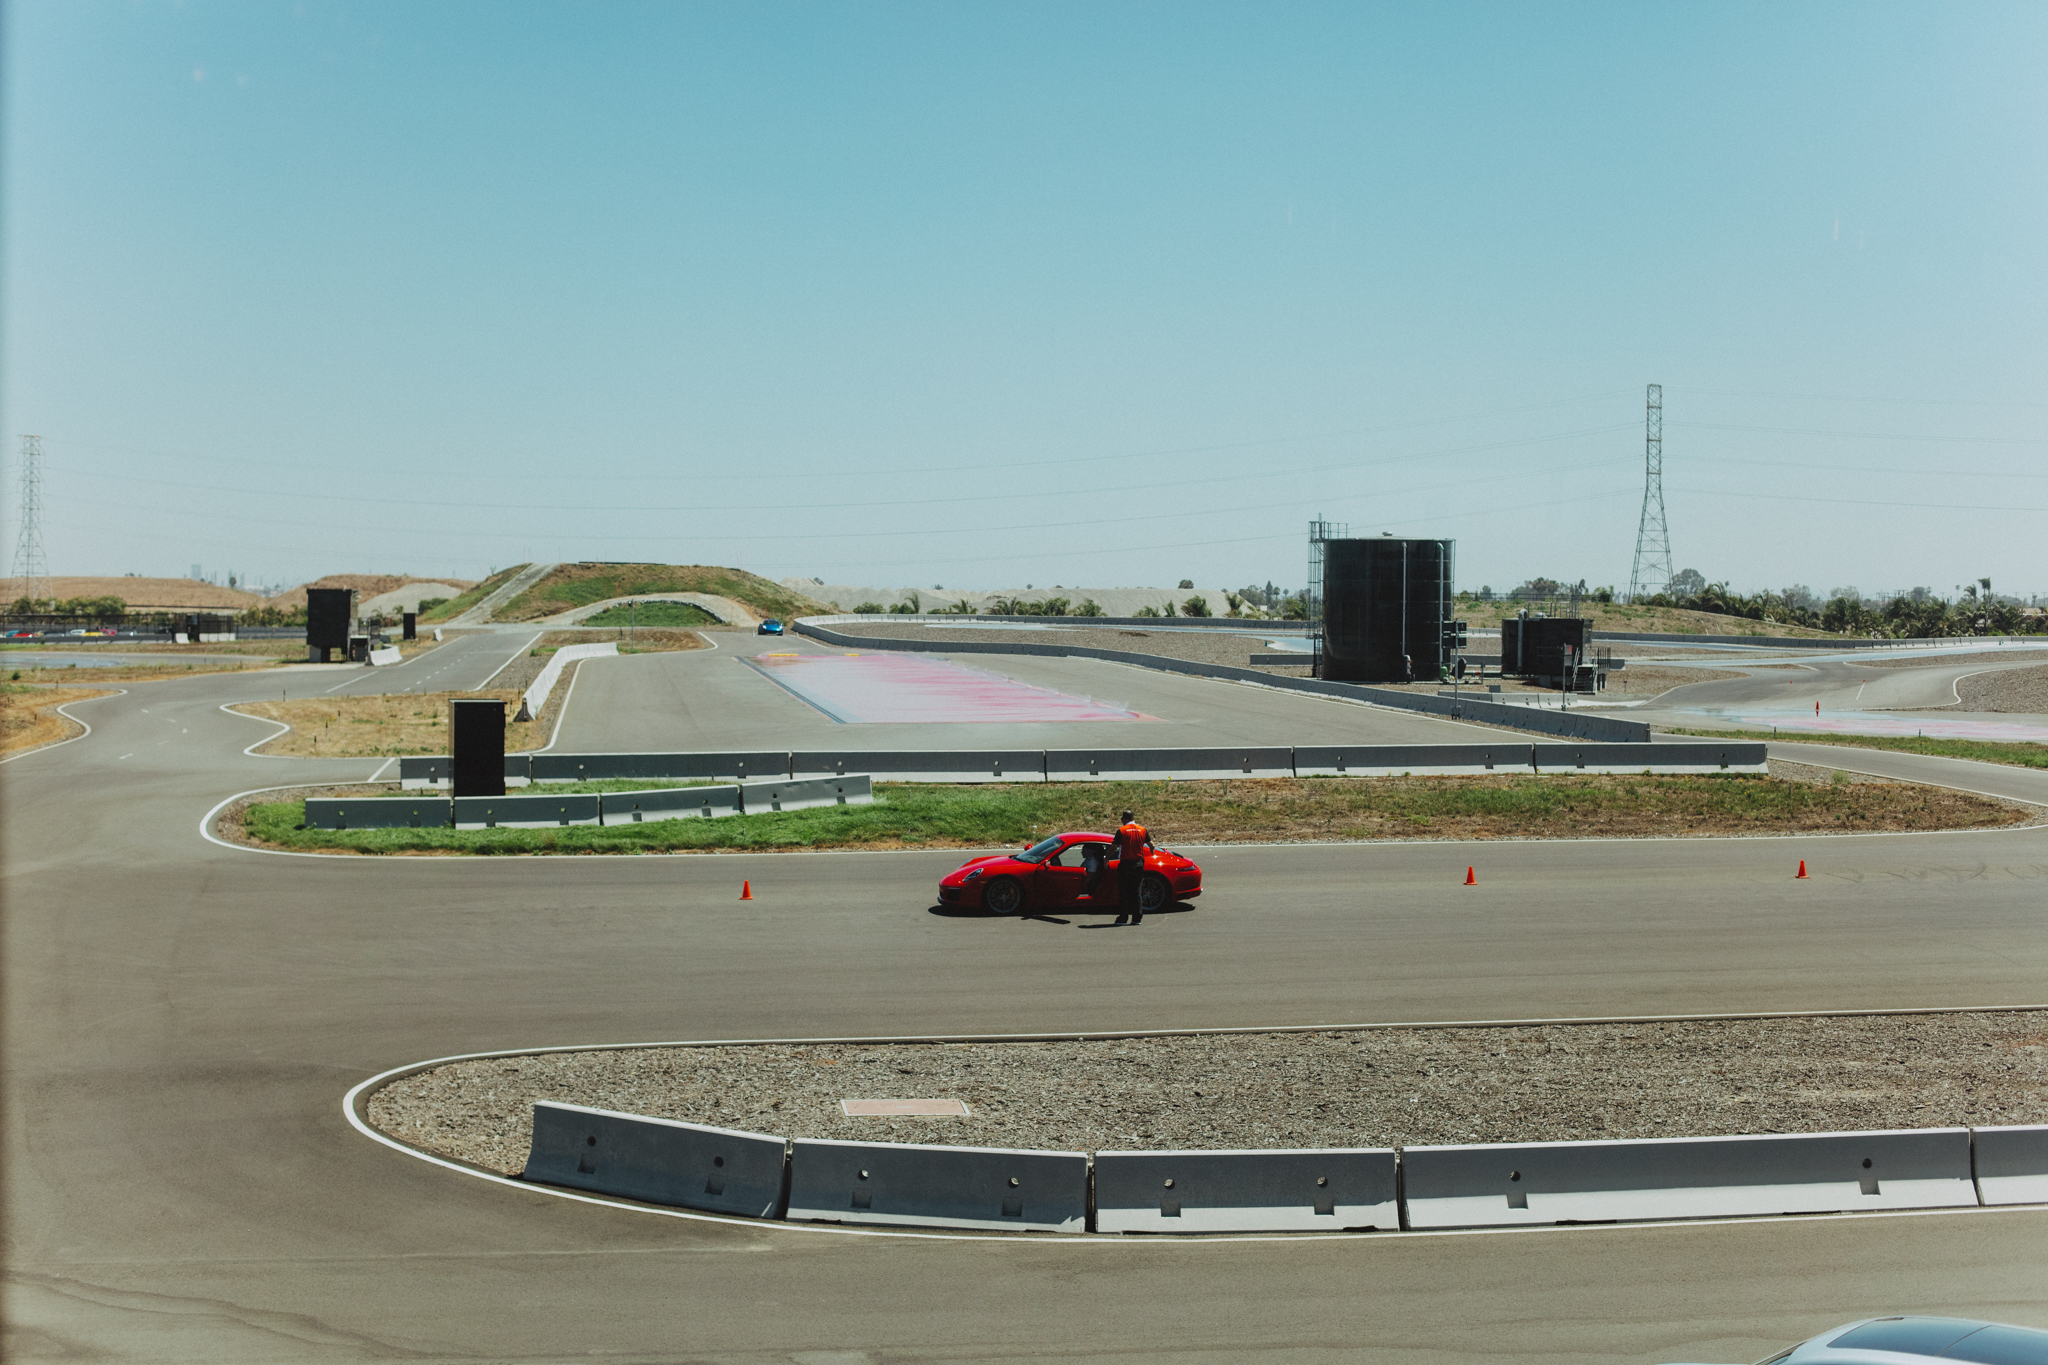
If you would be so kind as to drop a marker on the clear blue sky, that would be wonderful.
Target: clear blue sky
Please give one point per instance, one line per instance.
(988, 295)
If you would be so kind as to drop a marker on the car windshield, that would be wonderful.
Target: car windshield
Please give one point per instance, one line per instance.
(1040, 851)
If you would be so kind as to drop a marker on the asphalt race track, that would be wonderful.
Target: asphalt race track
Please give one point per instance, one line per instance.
(182, 1019)
(1791, 687)
(710, 700)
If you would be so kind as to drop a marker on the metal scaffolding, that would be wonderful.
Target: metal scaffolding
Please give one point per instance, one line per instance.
(1312, 593)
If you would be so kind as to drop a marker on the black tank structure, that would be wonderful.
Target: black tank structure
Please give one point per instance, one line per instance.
(330, 613)
(1385, 603)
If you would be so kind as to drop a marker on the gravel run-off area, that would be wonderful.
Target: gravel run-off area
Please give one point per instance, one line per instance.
(1402, 1086)
(2022, 690)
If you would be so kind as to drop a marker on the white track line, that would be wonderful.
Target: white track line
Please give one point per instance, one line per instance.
(508, 662)
(76, 720)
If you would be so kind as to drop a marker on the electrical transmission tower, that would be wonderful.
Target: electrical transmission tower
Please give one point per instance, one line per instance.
(31, 566)
(1652, 573)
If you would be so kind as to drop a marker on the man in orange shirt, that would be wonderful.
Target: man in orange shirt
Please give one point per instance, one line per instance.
(1132, 840)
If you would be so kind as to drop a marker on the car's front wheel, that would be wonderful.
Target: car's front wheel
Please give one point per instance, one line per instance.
(1153, 893)
(1003, 896)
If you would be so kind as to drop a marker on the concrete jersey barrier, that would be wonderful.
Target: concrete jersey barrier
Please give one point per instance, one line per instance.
(1081, 765)
(1289, 1190)
(439, 771)
(378, 812)
(1399, 760)
(1071, 765)
(1748, 756)
(525, 812)
(1310, 1190)
(668, 803)
(2012, 1165)
(954, 1187)
(657, 1161)
(806, 793)
(730, 766)
(1699, 1177)
(536, 695)
(915, 765)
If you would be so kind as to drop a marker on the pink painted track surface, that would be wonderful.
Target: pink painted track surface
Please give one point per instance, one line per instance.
(868, 689)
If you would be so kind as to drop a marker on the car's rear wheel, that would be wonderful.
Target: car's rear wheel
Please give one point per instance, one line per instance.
(1153, 893)
(1004, 896)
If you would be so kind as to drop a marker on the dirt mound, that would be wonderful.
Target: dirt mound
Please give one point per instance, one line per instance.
(145, 594)
(578, 585)
(367, 585)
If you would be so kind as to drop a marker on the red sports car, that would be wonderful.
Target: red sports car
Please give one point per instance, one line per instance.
(1053, 872)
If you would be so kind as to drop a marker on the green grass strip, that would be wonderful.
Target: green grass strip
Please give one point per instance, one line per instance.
(2016, 754)
(999, 815)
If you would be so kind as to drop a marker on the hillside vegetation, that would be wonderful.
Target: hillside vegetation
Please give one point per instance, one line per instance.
(455, 606)
(1616, 616)
(576, 585)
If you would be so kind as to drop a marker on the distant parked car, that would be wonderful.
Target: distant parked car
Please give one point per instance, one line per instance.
(769, 628)
(1905, 1340)
(26, 635)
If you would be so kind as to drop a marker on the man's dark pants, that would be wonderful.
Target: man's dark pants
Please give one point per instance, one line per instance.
(1129, 893)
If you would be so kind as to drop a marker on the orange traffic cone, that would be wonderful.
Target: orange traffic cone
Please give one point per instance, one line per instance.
(1802, 872)
(747, 887)
(1470, 879)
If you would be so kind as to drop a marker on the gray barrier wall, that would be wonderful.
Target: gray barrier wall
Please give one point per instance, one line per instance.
(377, 812)
(1398, 760)
(1308, 1190)
(525, 812)
(437, 771)
(691, 767)
(805, 793)
(1743, 757)
(668, 803)
(1323, 1190)
(1710, 1177)
(1575, 724)
(955, 1187)
(910, 765)
(1086, 765)
(1069, 765)
(2012, 1165)
(658, 1161)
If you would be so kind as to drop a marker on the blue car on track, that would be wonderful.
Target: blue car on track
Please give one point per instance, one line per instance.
(769, 628)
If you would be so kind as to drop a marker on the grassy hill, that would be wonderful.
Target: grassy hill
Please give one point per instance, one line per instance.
(1615, 616)
(455, 606)
(576, 585)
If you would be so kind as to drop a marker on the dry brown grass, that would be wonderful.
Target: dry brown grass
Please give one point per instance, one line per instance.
(71, 677)
(29, 719)
(379, 727)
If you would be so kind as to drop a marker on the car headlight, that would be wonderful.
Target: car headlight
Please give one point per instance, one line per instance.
(972, 875)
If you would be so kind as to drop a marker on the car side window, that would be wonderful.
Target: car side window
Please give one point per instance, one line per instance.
(1070, 856)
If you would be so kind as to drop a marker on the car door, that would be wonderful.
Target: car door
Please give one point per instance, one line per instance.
(1059, 878)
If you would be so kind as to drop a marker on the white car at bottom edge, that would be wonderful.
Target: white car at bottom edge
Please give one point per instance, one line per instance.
(1912, 1340)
